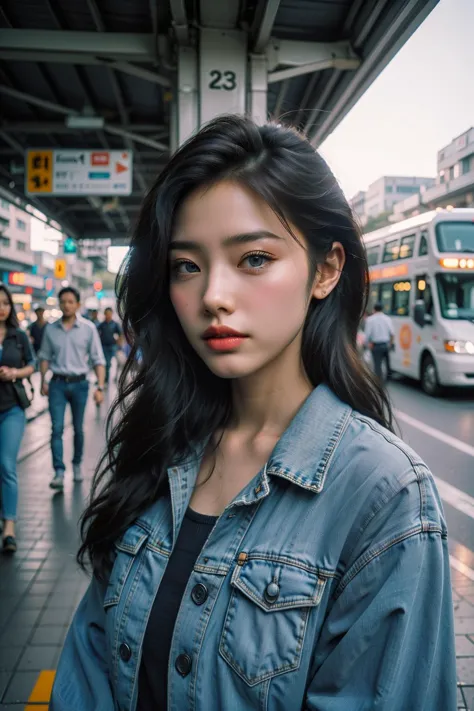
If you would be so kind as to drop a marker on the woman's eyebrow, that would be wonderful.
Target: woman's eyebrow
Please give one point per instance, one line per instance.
(243, 238)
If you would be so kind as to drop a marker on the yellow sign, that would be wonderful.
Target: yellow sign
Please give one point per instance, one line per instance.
(39, 172)
(60, 269)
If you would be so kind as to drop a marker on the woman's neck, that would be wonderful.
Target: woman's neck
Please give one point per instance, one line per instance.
(267, 401)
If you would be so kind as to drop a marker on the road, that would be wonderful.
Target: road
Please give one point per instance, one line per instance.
(441, 431)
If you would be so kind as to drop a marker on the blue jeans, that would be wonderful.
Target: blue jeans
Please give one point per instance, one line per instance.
(109, 355)
(61, 393)
(12, 427)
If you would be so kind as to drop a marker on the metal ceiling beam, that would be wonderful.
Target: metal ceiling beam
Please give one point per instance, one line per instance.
(116, 45)
(219, 15)
(135, 137)
(391, 41)
(85, 59)
(51, 106)
(33, 127)
(306, 57)
(36, 101)
(265, 15)
(180, 21)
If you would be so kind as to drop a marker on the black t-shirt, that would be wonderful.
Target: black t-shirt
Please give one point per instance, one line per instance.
(153, 680)
(107, 331)
(36, 332)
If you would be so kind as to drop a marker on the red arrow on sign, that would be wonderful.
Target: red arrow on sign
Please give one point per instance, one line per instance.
(120, 168)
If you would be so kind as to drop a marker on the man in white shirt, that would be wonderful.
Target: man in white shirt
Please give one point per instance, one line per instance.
(379, 337)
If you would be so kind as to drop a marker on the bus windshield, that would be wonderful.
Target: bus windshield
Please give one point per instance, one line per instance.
(456, 295)
(455, 236)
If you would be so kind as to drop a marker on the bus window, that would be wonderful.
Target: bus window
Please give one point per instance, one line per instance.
(456, 295)
(401, 298)
(455, 236)
(407, 246)
(423, 248)
(391, 251)
(373, 255)
(386, 297)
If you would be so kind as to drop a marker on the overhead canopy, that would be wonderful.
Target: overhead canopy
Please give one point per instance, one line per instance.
(116, 60)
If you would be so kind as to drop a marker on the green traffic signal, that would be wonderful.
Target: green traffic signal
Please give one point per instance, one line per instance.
(70, 246)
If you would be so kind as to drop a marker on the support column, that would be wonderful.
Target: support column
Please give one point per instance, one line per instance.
(257, 96)
(186, 111)
(222, 72)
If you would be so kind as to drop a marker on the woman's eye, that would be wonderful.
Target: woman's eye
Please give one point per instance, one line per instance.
(256, 261)
(184, 267)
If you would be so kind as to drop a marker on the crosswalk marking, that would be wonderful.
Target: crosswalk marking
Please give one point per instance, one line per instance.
(433, 432)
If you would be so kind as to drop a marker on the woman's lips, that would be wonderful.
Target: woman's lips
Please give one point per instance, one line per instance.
(224, 344)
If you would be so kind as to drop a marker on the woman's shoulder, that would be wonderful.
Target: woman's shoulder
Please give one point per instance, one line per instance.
(375, 460)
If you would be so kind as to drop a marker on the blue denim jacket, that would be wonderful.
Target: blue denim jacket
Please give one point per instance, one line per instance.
(328, 581)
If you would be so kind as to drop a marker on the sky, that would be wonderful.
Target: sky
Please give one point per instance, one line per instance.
(421, 101)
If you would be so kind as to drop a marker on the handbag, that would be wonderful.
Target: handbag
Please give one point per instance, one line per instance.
(24, 398)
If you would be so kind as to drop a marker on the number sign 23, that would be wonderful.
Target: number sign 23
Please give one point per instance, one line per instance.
(222, 80)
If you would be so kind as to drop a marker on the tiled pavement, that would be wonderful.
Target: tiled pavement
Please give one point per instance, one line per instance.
(41, 586)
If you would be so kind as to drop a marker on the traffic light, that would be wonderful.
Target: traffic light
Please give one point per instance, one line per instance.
(70, 246)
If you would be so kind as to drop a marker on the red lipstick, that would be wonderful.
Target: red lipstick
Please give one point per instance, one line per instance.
(222, 338)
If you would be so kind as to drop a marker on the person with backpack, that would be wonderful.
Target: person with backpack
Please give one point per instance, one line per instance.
(17, 362)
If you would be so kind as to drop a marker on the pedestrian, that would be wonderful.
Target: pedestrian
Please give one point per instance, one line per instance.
(94, 316)
(36, 329)
(380, 338)
(259, 537)
(16, 363)
(68, 346)
(110, 334)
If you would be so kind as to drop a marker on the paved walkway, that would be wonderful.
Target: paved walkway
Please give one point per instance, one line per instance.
(41, 586)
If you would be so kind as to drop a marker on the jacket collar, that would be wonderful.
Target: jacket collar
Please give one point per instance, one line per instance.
(303, 453)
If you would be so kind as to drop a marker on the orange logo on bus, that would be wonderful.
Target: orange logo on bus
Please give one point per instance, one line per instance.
(405, 337)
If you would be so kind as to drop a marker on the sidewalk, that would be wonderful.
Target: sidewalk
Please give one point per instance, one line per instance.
(41, 586)
(40, 403)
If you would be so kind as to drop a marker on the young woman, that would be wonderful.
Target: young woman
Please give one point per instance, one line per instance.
(260, 539)
(16, 362)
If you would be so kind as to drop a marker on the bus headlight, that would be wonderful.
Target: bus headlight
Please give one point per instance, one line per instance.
(462, 347)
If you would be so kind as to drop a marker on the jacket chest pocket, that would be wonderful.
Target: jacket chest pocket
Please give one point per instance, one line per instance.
(266, 619)
(127, 549)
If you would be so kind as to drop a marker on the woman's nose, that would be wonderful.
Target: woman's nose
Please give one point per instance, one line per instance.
(218, 295)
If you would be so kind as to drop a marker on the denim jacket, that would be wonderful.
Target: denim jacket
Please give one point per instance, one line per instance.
(327, 580)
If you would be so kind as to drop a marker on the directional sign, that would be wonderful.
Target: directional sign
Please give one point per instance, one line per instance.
(78, 172)
(60, 269)
(39, 172)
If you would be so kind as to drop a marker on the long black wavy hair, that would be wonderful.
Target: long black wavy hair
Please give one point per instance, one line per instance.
(172, 401)
(12, 320)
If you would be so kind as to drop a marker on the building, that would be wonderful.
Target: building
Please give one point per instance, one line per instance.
(357, 204)
(454, 183)
(385, 192)
(29, 274)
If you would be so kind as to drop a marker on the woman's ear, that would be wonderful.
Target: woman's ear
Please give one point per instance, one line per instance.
(329, 273)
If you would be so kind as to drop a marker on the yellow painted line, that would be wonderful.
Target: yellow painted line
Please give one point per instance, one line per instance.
(36, 707)
(42, 690)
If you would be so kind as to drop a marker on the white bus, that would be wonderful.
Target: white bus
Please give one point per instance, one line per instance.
(422, 272)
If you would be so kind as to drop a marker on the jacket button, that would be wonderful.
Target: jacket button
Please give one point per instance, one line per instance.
(272, 592)
(125, 652)
(183, 664)
(199, 594)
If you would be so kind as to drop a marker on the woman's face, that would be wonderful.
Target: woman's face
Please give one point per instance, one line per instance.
(5, 307)
(234, 265)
